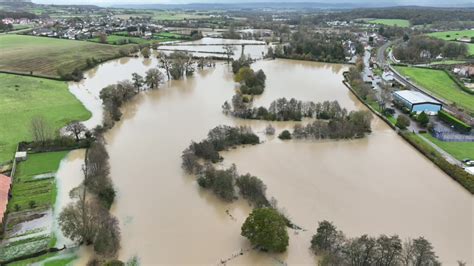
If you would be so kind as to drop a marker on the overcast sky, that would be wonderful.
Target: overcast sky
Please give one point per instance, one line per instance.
(394, 2)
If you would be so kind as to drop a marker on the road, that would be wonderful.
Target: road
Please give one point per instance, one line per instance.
(381, 59)
(446, 155)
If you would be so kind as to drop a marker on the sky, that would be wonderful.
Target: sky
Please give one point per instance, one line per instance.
(392, 2)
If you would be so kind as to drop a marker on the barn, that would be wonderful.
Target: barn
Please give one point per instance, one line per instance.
(417, 102)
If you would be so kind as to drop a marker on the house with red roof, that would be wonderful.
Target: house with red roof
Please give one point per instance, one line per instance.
(5, 185)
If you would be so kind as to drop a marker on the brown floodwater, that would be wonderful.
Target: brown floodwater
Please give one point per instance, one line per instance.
(374, 185)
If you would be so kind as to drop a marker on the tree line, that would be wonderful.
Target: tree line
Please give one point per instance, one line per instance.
(423, 48)
(283, 109)
(336, 249)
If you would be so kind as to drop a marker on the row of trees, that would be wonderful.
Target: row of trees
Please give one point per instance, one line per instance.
(114, 96)
(336, 249)
(220, 138)
(423, 48)
(88, 220)
(354, 125)
(283, 109)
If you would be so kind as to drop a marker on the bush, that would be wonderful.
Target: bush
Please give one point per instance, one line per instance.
(285, 135)
(403, 122)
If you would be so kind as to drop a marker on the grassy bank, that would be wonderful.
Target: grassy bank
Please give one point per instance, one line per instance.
(391, 22)
(440, 84)
(44, 56)
(22, 98)
(460, 150)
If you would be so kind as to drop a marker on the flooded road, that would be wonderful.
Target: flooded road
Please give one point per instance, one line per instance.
(374, 185)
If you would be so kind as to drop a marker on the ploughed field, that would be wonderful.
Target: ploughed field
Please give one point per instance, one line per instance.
(45, 56)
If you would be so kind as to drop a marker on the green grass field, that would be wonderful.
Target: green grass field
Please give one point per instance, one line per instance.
(117, 40)
(440, 84)
(26, 188)
(22, 98)
(460, 150)
(453, 35)
(456, 36)
(121, 38)
(391, 22)
(44, 56)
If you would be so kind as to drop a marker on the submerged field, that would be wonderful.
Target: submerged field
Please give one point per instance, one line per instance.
(440, 84)
(391, 22)
(45, 56)
(33, 196)
(22, 98)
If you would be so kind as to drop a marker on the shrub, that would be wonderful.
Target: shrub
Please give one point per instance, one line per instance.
(403, 122)
(285, 135)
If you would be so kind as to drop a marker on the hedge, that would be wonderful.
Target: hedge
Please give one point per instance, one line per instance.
(458, 124)
(459, 83)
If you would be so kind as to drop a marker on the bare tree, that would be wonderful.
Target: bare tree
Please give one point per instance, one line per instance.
(165, 63)
(229, 51)
(76, 128)
(40, 129)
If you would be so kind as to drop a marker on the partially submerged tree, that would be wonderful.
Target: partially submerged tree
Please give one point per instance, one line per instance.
(153, 78)
(266, 229)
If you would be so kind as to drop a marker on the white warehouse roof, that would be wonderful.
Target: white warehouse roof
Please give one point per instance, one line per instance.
(415, 97)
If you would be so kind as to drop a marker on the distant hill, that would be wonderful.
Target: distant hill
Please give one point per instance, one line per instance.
(292, 5)
(15, 1)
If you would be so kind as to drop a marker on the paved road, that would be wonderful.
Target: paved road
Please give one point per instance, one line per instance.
(381, 59)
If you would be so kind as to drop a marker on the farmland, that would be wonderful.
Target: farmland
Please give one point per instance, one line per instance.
(463, 35)
(453, 35)
(440, 84)
(44, 56)
(391, 22)
(121, 38)
(34, 191)
(22, 98)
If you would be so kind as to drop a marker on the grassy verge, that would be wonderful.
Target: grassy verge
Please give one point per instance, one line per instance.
(22, 98)
(391, 22)
(460, 150)
(440, 84)
(456, 172)
(44, 56)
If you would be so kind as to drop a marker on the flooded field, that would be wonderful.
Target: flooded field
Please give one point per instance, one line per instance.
(215, 47)
(374, 185)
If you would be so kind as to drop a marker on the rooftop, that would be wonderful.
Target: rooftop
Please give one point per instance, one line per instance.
(415, 97)
(5, 183)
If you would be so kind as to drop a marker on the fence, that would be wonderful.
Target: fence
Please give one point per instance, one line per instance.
(453, 136)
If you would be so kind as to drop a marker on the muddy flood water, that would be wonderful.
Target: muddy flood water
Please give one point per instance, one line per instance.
(377, 185)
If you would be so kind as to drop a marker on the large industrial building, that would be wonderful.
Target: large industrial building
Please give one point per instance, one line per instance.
(418, 102)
